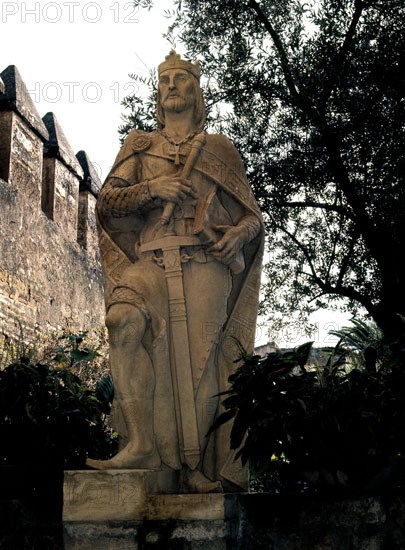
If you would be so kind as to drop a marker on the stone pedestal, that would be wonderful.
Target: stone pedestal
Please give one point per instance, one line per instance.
(125, 509)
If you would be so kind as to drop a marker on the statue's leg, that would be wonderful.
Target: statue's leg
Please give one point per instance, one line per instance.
(134, 383)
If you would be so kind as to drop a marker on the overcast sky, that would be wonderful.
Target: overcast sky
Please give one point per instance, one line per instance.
(75, 57)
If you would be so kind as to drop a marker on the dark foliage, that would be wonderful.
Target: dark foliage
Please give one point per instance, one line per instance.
(49, 416)
(328, 429)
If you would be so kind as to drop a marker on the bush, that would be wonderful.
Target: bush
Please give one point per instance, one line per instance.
(48, 414)
(329, 429)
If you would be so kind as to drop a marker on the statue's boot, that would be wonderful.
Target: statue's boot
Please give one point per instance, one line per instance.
(196, 482)
(127, 459)
(141, 451)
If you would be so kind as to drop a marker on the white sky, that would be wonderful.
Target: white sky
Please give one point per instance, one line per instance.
(75, 57)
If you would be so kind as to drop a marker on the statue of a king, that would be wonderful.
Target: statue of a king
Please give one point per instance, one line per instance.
(181, 242)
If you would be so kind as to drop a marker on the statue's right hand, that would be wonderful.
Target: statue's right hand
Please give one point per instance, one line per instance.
(171, 189)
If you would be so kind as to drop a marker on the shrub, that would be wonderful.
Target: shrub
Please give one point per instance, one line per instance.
(329, 428)
(51, 415)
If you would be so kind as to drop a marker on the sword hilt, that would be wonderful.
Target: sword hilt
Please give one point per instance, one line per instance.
(196, 147)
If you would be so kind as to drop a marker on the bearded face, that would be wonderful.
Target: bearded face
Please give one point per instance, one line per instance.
(176, 91)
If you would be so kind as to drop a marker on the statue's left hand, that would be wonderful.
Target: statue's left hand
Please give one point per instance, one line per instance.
(233, 240)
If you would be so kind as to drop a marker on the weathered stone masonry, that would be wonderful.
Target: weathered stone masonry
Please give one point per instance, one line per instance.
(49, 261)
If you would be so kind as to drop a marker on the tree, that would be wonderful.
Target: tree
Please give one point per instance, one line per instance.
(315, 103)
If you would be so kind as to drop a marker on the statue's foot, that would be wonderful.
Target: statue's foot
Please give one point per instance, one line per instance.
(127, 459)
(196, 482)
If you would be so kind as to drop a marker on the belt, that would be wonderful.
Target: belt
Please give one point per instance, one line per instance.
(191, 249)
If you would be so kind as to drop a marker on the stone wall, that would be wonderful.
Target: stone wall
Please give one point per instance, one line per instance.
(49, 261)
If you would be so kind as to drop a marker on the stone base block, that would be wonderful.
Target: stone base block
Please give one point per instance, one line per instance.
(127, 509)
(127, 495)
(98, 495)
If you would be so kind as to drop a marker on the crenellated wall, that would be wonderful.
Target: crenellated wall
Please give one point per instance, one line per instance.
(49, 260)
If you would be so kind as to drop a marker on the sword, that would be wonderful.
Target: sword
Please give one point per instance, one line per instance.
(172, 260)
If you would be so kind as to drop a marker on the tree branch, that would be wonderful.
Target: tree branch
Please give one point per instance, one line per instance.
(346, 260)
(326, 287)
(305, 251)
(330, 82)
(347, 291)
(285, 65)
(353, 294)
(336, 236)
(359, 216)
(358, 8)
(302, 102)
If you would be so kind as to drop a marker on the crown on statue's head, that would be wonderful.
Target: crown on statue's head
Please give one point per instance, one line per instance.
(174, 61)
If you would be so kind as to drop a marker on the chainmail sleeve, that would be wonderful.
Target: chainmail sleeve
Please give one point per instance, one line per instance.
(126, 191)
(118, 198)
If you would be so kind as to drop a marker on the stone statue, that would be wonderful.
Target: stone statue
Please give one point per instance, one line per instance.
(181, 244)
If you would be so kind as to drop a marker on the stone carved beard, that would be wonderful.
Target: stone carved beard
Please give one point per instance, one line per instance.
(176, 102)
